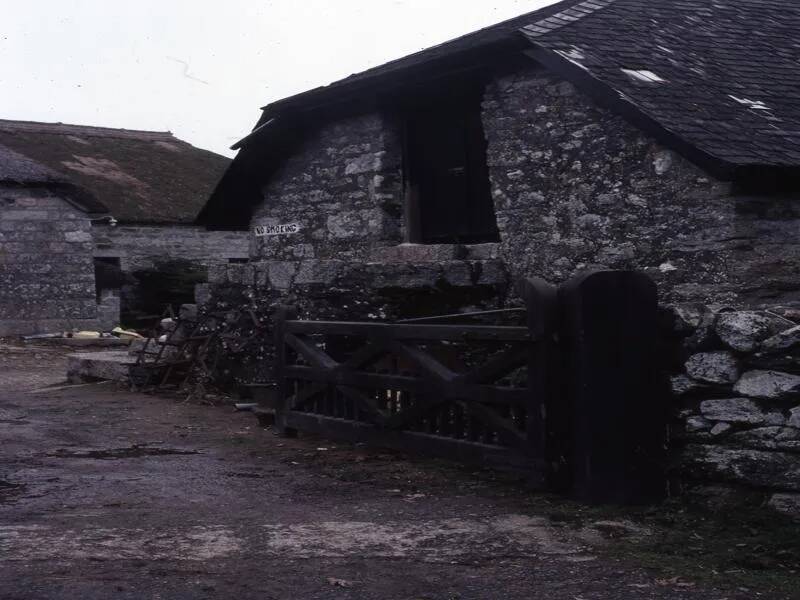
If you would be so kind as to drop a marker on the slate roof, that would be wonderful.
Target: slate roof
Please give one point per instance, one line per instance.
(723, 75)
(139, 176)
(717, 80)
(730, 68)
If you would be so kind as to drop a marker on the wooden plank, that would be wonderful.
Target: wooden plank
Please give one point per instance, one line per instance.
(424, 361)
(423, 406)
(482, 313)
(364, 356)
(499, 365)
(282, 316)
(486, 394)
(356, 378)
(504, 428)
(365, 403)
(546, 437)
(302, 399)
(393, 331)
(458, 450)
(310, 352)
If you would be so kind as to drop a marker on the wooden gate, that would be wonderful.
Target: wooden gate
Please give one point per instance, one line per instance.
(474, 393)
(571, 395)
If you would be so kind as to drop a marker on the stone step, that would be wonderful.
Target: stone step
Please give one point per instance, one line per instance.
(114, 365)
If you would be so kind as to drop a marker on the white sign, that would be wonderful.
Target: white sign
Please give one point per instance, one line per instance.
(270, 230)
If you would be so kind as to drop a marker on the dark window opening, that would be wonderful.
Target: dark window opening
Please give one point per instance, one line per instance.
(108, 275)
(447, 179)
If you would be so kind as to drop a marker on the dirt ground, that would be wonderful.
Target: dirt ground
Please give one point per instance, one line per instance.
(110, 494)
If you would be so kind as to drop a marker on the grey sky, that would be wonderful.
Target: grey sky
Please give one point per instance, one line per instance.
(202, 68)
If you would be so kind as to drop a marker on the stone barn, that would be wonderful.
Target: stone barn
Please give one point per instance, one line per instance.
(146, 189)
(657, 136)
(605, 133)
(46, 267)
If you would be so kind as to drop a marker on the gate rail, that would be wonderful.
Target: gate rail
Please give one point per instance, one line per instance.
(475, 393)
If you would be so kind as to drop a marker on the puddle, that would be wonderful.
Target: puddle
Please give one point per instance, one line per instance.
(122, 453)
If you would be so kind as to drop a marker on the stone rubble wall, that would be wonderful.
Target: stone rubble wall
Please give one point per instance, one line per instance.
(46, 268)
(736, 382)
(576, 186)
(140, 247)
(345, 291)
(344, 188)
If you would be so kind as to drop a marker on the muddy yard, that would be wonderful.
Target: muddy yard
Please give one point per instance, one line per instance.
(106, 493)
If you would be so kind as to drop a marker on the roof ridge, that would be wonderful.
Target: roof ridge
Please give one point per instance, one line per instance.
(86, 130)
(565, 17)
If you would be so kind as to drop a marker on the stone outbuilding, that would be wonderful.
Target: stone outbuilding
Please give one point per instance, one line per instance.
(141, 192)
(626, 134)
(661, 136)
(46, 267)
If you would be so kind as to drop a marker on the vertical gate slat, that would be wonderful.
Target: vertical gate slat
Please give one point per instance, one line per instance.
(541, 301)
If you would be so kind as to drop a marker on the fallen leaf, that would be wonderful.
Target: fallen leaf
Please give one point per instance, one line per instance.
(339, 582)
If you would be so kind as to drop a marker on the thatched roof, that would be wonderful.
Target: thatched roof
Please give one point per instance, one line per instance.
(16, 168)
(139, 176)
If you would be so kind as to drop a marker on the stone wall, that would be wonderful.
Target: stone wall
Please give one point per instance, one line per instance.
(575, 186)
(737, 384)
(343, 290)
(343, 187)
(46, 267)
(140, 247)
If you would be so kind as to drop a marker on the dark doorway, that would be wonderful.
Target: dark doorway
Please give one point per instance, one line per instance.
(447, 179)
(108, 275)
(169, 282)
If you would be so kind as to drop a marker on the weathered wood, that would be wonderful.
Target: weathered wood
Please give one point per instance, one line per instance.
(423, 360)
(307, 394)
(366, 403)
(282, 315)
(310, 352)
(406, 441)
(469, 315)
(408, 385)
(497, 366)
(619, 410)
(486, 393)
(390, 331)
(546, 433)
(504, 428)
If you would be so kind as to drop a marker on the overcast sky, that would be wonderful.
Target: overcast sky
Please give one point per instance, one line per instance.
(203, 68)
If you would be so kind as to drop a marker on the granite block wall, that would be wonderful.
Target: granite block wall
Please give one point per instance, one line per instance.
(46, 267)
(576, 186)
(343, 188)
(140, 247)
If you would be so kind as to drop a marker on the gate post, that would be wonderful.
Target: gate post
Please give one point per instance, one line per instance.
(282, 314)
(618, 410)
(545, 425)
